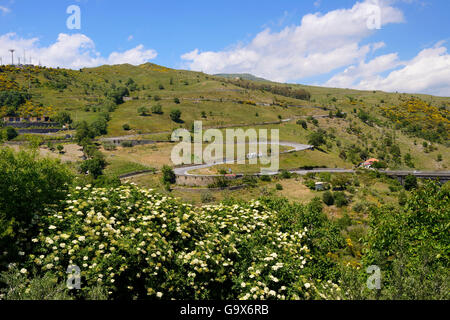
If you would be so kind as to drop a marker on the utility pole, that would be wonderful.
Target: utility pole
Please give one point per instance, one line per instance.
(12, 55)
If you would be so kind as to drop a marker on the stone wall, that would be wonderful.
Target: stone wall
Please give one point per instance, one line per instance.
(200, 181)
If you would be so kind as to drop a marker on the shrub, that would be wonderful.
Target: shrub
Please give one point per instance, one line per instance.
(9, 133)
(317, 139)
(340, 199)
(265, 178)
(157, 109)
(168, 250)
(108, 146)
(207, 197)
(126, 127)
(303, 124)
(126, 144)
(285, 174)
(143, 111)
(279, 186)
(410, 182)
(327, 198)
(168, 175)
(60, 148)
(176, 100)
(175, 115)
(94, 167)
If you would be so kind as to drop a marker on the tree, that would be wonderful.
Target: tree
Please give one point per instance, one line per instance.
(175, 115)
(176, 100)
(28, 181)
(168, 175)
(94, 166)
(60, 148)
(157, 109)
(10, 133)
(83, 131)
(303, 124)
(340, 199)
(143, 111)
(63, 118)
(317, 139)
(410, 182)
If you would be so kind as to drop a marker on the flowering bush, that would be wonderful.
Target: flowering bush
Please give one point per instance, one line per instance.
(138, 244)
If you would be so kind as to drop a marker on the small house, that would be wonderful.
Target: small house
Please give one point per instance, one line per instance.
(320, 186)
(368, 163)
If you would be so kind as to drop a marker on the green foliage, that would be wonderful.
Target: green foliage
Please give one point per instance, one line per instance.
(278, 186)
(328, 198)
(285, 174)
(94, 166)
(176, 100)
(410, 182)
(83, 132)
(207, 197)
(9, 133)
(340, 199)
(157, 109)
(142, 111)
(126, 127)
(303, 124)
(265, 178)
(317, 139)
(28, 185)
(169, 250)
(168, 175)
(63, 118)
(175, 115)
(411, 244)
(17, 286)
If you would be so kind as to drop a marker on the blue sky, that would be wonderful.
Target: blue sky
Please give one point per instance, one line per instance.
(323, 42)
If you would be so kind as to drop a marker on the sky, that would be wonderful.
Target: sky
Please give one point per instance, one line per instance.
(390, 45)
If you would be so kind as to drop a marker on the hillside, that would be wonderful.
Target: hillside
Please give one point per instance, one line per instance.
(243, 76)
(406, 131)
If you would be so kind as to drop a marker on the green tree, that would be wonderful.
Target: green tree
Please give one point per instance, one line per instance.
(9, 133)
(63, 118)
(83, 131)
(168, 175)
(94, 166)
(410, 182)
(175, 115)
(157, 109)
(328, 198)
(317, 139)
(142, 111)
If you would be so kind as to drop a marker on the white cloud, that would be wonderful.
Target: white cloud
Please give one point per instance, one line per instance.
(428, 72)
(69, 51)
(319, 45)
(5, 10)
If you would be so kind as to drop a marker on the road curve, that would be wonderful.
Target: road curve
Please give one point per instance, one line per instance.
(184, 171)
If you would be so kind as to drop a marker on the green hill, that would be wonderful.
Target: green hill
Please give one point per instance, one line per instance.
(404, 130)
(243, 76)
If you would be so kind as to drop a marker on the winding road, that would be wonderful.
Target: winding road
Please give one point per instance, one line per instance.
(184, 171)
